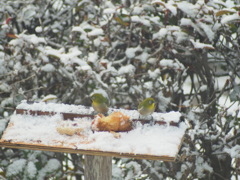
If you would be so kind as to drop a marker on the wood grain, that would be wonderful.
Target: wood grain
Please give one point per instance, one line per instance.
(81, 151)
(97, 168)
(71, 116)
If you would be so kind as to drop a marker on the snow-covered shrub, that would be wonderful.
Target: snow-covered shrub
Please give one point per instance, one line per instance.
(185, 54)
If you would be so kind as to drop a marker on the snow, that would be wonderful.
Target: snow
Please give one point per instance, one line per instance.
(51, 166)
(93, 31)
(16, 167)
(143, 57)
(207, 29)
(71, 57)
(130, 52)
(188, 8)
(169, 63)
(31, 169)
(140, 20)
(23, 38)
(96, 32)
(50, 107)
(203, 88)
(186, 22)
(38, 29)
(155, 20)
(171, 6)
(159, 140)
(230, 18)
(4, 87)
(79, 109)
(48, 68)
(152, 61)
(128, 69)
(199, 45)
(162, 33)
(92, 57)
(137, 10)
(109, 11)
(154, 73)
(201, 166)
(233, 151)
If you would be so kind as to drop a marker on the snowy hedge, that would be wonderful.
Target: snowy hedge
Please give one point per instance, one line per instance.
(185, 54)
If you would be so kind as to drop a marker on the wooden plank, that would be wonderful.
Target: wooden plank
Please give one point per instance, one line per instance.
(41, 147)
(71, 116)
(97, 168)
(38, 145)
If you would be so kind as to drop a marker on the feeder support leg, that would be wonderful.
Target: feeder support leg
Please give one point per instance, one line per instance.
(98, 167)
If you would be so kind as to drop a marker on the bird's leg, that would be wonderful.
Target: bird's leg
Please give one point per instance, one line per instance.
(93, 113)
(152, 121)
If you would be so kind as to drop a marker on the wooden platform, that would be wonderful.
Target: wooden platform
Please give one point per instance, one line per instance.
(35, 129)
(81, 151)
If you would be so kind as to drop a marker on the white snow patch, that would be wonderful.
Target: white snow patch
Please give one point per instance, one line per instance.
(130, 52)
(143, 57)
(16, 167)
(128, 69)
(160, 34)
(140, 19)
(152, 61)
(199, 45)
(50, 107)
(230, 18)
(137, 10)
(23, 38)
(31, 169)
(173, 64)
(109, 11)
(188, 8)
(38, 29)
(208, 30)
(170, 5)
(203, 88)
(51, 166)
(48, 68)
(233, 152)
(154, 74)
(92, 57)
(96, 32)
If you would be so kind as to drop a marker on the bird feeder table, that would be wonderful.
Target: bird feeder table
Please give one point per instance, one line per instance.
(68, 128)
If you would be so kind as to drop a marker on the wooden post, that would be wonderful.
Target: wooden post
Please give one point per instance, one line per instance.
(98, 167)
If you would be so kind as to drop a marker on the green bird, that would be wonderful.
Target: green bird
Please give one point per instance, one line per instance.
(147, 106)
(100, 103)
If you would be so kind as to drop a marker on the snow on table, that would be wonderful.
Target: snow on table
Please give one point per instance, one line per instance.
(78, 109)
(157, 140)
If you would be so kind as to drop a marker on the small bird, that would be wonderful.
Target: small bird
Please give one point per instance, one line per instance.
(99, 103)
(147, 107)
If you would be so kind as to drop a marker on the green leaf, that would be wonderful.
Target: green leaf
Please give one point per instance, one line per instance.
(235, 94)
(222, 12)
